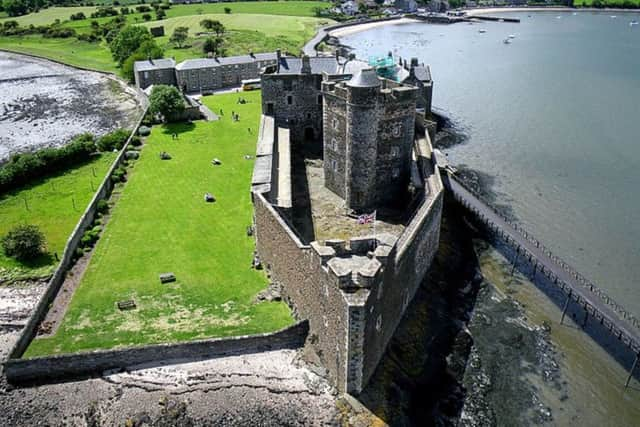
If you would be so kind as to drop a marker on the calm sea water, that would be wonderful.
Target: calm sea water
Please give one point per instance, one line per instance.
(554, 117)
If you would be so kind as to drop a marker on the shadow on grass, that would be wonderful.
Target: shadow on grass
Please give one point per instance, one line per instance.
(42, 260)
(177, 128)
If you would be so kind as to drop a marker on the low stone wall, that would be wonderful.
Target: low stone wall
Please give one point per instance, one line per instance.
(57, 279)
(94, 363)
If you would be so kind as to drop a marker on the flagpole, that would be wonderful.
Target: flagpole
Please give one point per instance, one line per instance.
(375, 238)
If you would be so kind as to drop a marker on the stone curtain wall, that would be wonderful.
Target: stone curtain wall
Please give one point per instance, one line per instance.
(31, 328)
(307, 286)
(96, 362)
(407, 265)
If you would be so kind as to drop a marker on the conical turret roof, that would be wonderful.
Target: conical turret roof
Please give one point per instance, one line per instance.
(365, 78)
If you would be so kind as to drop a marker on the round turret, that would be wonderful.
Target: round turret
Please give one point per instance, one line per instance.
(365, 78)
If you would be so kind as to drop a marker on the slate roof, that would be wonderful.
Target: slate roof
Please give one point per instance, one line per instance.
(154, 64)
(192, 64)
(320, 64)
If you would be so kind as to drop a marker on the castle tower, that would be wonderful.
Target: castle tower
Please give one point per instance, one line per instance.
(368, 130)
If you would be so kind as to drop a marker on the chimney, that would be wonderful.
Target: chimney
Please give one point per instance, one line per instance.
(210, 54)
(278, 55)
(306, 65)
(414, 62)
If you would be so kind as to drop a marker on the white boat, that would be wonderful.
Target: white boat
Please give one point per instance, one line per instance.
(613, 16)
(482, 31)
(506, 41)
(632, 23)
(511, 36)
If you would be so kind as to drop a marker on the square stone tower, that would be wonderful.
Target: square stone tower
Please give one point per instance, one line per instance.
(368, 132)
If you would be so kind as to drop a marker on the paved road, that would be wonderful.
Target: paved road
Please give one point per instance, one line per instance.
(583, 295)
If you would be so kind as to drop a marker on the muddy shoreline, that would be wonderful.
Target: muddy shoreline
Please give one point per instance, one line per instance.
(45, 103)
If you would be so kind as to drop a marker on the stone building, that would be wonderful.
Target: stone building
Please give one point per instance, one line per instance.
(292, 92)
(353, 290)
(202, 75)
(420, 77)
(154, 72)
(368, 136)
(207, 74)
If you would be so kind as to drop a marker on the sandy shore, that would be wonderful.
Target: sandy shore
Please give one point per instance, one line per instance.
(486, 11)
(341, 32)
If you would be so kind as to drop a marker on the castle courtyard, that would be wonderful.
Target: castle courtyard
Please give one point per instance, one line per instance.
(162, 224)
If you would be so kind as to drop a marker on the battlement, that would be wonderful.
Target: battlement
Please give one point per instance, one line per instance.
(357, 263)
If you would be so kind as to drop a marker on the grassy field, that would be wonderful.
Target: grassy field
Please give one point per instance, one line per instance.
(618, 3)
(50, 206)
(252, 26)
(161, 224)
(245, 32)
(47, 16)
(94, 56)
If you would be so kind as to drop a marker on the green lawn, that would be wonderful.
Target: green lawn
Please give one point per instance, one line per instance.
(161, 224)
(49, 205)
(618, 3)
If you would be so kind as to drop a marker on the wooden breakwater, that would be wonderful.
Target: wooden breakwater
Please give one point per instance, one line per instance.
(494, 18)
(595, 302)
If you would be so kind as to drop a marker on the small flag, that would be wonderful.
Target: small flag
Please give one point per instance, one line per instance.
(367, 218)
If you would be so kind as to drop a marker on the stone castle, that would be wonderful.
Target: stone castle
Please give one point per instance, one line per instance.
(352, 283)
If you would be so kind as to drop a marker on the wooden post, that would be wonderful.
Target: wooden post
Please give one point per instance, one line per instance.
(586, 317)
(535, 266)
(515, 260)
(566, 305)
(633, 368)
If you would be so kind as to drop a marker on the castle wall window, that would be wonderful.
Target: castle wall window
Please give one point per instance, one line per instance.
(289, 99)
(333, 165)
(319, 99)
(335, 123)
(395, 151)
(334, 144)
(287, 84)
(146, 74)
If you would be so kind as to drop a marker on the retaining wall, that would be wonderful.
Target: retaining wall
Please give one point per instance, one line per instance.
(66, 261)
(85, 364)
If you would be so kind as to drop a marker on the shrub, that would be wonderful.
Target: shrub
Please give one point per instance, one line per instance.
(22, 168)
(144, 131)
(102, 206)
(227, 10)
(136, 141)
(146, 17)
(114, 140)
(78, 16)
(24, 242)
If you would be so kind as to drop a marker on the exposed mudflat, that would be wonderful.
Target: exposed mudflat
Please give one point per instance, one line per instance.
(45, 104)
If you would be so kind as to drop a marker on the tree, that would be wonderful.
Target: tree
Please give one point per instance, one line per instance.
(227, 10)
(146, 17)
(212, 44)
(127, 41)
(166, 100)
(179, 36)
(218, 28)
(160, 14)
(207, 24)
(147, 50)
(24, 242)
(15, 7)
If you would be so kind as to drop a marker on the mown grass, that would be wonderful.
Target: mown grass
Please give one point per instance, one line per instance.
(606, 3)
(49, 204)
(161, 224)
(252, 26)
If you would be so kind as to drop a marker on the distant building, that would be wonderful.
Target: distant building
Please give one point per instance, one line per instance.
(154, 72)
(406, 5)
(420, 77)
(349, 8)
